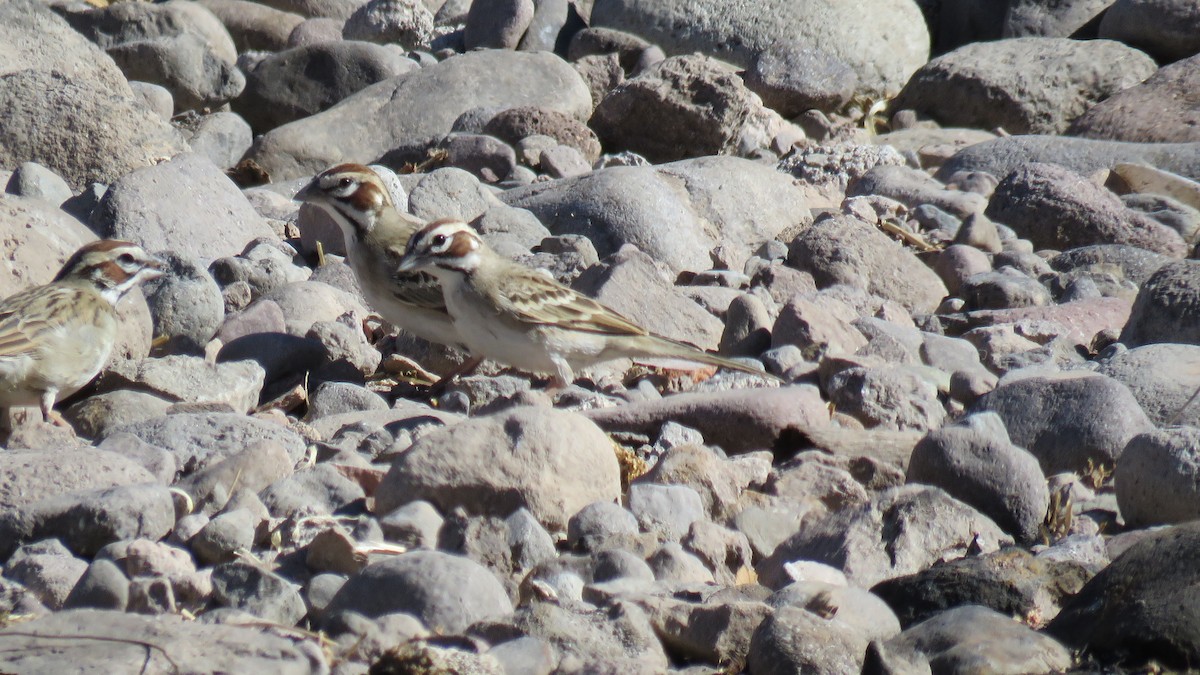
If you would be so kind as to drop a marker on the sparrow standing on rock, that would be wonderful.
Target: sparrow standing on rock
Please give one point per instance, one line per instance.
(516, 315)
(376, 234)
(55, 338)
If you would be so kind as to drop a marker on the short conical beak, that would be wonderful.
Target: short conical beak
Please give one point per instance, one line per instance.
(307, 193)
(155, 267)
(408, 263)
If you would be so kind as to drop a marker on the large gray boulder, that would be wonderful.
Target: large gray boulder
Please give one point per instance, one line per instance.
(398, 119)
(884, 41)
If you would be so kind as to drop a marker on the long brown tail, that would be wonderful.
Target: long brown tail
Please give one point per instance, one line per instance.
(668, 348)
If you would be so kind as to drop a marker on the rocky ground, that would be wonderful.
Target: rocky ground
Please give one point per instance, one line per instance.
(962, 235)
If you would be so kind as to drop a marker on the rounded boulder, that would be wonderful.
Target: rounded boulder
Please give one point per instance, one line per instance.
(551, 462)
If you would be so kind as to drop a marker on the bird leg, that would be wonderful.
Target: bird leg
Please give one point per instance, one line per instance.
(49, 414)
(465, 368)
(563, 375)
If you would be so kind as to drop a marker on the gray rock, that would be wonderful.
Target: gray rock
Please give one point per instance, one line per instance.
(1162, 377)
(676, 213)
(515, 124)
(186, 305)
(497, 24)
(186, 65)
(554, 22)
(974, 461)
(685, 107)
(35, 38)
(619, 564)
(1068, 421)
(792, 78)
(714, 632)
(186, 205)
(28, 477)
(35, 181)
(152, 596)
(525, 655)
(318, 30)
(296, 83)
(252, 26)
(884, 42)
(1162, 311)
(48, 109)
(47, 571)
(673, 565)
(87, 520)
(617, 639)
(407, 23)
(555, 463)
(66, 639)
(865, 258)
(889, 397)
(197, 440)
(1032, 18)
(1003, 289)
(1156, 479)
(156, 98)
(224, 537)
(318, 491)
(1154, 111)
(333, 398)
(1165, 30)
(1084, 156)
(247, 587)
(718, 481)
(304, 303)
(191, 379)
(901, 531)
(416, 112)
(222, 137)
(415, 524)
(816, 325)
(1139, 607)
(738, 421)
(915, 188)
(600, 525)
(447, 593)
(112, 26)
(488, 159)
(665, 510)
(1018, 84)
(1011, 581)
(966, 639)
(157, 461)
(346, 346)
(253, 467)
(102, 586)
(1058, 209)
(627, 46)
(797, 640)
(854, 607)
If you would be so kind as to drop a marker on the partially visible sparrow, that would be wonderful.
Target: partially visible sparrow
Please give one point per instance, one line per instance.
(518, 316)
(376, 233)
(55, 338)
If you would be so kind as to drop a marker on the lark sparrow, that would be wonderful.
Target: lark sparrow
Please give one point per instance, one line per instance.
(55, 338)
(518, 316)
(376, 233)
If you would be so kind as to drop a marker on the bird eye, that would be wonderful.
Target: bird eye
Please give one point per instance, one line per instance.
(345, 182)
(126, 259)
(438, 240)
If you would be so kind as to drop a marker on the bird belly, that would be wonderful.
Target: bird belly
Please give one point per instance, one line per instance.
(68, 358)
(499, 338)
(375, 280)
(16, 385)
